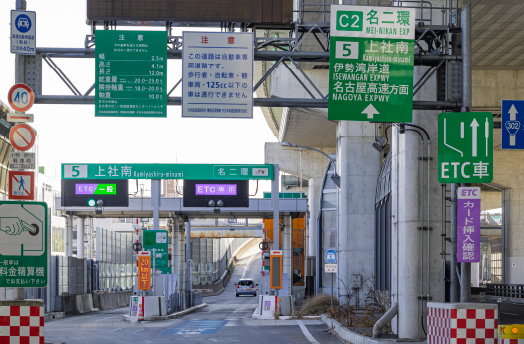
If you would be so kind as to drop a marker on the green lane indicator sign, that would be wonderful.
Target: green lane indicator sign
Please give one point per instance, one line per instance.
(465, 147)
(23, 244)
(131, 73)
(371, 63)
(156, 242)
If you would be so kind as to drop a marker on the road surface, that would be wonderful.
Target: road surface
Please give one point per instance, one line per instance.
(226, 319)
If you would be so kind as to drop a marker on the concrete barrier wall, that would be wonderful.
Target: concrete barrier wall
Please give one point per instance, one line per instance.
(111, 300)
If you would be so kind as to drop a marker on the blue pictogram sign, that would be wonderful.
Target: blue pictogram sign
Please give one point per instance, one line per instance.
(23, 23)
(331, 257)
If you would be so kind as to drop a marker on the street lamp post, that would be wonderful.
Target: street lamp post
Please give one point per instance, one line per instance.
(335, 177)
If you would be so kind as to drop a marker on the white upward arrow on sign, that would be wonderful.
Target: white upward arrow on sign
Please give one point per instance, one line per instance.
(474, 125)
(370, 111)
(513, 113)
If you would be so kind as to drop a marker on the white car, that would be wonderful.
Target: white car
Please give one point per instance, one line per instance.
(246, 286)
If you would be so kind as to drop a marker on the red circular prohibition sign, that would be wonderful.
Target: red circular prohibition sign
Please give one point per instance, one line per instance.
(22, 137)
(29, 101)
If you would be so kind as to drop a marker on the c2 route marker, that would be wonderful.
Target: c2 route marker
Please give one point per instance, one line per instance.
(22, 185)
(468, 225)
(465, 147)
(371, 63)
(512, 114)
(21, 97)
(22, 137)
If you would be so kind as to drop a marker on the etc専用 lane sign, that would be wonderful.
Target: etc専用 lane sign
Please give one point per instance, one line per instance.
(465, 147)
(512, 135)
(21, 97)
(22, 185)
(22, 136)
(371, 63)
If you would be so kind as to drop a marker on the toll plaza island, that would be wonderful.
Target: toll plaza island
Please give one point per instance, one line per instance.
(396, 188)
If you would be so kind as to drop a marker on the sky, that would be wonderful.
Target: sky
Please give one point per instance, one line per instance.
(72, 134)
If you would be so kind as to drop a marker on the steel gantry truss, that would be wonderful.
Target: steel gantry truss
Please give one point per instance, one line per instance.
(434, 48)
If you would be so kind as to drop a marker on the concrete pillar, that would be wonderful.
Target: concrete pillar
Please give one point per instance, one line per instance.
(175, 235)
(406, 211)
(80, 237)
(287, 244)
(312, 200)
(69, 236)
(358, 165)
(475, 274)
(181, 256)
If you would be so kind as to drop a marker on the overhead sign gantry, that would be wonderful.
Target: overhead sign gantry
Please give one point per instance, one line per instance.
(169, 171)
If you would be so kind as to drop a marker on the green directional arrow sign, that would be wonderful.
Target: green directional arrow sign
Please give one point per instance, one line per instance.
(156, 242)
(371, 63)
(465, 147)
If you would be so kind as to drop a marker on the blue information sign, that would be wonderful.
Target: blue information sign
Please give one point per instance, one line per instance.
(512, 116)
(331, 257)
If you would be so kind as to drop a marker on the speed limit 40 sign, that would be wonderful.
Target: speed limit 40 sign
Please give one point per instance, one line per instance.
(21, 97)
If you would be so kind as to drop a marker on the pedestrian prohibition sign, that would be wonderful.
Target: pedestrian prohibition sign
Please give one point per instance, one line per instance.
(22, 137)
(21, 97)
(22, 185)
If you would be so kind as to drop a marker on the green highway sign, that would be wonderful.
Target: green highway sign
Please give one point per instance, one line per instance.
(168, 171)
(23, 244)
(131, 73)
(465, 147)
(371, 63)
(156, 242)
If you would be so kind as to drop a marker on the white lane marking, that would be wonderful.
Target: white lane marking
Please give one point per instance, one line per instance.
(306, 332)
(510, 314)
(247, 265)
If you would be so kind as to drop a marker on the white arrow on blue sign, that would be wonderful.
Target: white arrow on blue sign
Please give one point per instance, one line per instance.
(331, 257)
(512, 117)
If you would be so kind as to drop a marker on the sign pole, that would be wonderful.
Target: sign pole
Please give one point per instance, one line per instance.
(276, 216)
(155, 202)
(454, 279)
(465, 271)
(332, 291)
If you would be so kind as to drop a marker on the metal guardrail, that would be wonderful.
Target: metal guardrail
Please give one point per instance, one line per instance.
(503, 290)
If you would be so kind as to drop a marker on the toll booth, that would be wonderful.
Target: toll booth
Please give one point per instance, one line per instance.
(298, 248)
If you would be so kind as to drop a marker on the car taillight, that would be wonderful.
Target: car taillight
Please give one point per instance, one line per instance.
(238, 286)
(252, 286)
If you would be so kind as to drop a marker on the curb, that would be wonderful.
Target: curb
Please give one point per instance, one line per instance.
(54, 316)
(345, 334)
(170, 316)
(355, 338)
